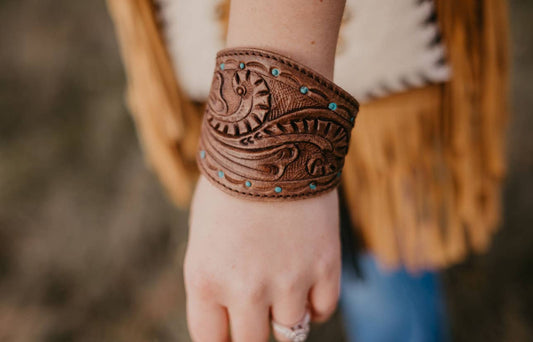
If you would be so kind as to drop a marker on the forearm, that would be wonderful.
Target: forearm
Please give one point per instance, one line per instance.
(250, 260)
(305, 30)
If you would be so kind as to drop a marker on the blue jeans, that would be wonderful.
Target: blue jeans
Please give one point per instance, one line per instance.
(396, 306)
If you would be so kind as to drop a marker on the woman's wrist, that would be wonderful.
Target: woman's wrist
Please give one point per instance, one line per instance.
(275, 126)
(304, 30)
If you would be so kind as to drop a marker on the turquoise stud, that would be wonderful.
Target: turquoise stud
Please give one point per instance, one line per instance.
(222, 65)
(221, 174)
(332, 106)
(339, 174)
(312, 186)
(275, 72)
(304, 90)
(241, 65)
(352, 119)
(277, 189)
(248, 184)
(202, 154)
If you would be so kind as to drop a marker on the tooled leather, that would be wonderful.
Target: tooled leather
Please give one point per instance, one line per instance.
(272, 128)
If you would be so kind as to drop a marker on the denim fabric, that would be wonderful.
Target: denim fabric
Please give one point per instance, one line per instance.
(381, 306)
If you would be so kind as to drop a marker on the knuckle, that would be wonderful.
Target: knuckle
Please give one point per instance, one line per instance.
(328, 264)
(325, 304)
(290, 283)
(324, 313)
(325, 316)
(251, 291)
(199, 283)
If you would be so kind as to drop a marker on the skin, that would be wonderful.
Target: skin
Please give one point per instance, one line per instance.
(248, 262)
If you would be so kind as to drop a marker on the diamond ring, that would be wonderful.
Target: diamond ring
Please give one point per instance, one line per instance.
(296, 333)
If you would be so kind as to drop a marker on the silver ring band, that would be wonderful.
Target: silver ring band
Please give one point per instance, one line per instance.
(296, 333)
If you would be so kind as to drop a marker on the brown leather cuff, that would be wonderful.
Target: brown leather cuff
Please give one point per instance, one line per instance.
(273, 128)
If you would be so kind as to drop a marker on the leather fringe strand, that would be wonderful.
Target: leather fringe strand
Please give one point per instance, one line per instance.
(424, 172)
(168, 124)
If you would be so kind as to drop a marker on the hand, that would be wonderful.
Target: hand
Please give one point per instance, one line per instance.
(248, 262)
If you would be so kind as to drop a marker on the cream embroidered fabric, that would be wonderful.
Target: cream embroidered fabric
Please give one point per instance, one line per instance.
(388, 46)
(385, 46)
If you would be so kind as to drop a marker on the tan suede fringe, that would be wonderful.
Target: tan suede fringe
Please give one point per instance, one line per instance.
(168, 123)
(424, 171)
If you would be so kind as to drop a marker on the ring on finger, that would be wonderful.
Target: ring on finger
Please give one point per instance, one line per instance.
(297, 332)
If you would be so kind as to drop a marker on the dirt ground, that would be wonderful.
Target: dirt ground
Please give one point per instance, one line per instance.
(91, 249)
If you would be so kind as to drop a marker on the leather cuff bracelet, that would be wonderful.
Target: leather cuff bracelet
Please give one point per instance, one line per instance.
(273, 128)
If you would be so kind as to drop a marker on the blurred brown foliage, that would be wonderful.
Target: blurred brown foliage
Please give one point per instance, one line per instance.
(91, 250)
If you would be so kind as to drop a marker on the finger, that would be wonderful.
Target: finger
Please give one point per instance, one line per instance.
(250, 323)
(324, 297)
(289, 310)
(208, 321)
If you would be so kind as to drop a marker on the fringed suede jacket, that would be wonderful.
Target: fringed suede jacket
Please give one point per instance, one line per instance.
(423, 174)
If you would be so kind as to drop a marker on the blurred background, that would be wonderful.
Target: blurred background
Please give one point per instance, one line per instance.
(90, 247)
